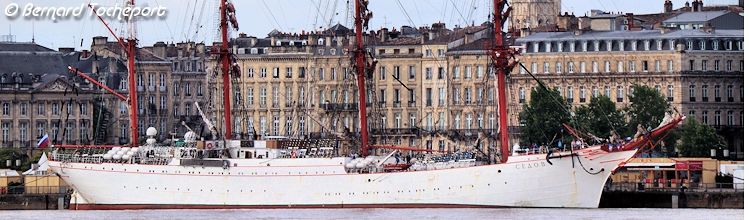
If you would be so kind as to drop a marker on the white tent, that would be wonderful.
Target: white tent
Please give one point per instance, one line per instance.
(43, 166)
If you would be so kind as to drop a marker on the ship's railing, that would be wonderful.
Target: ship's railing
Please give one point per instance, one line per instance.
(673, 187)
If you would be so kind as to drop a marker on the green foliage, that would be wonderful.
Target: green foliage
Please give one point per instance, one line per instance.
(696, 139)
(542, 117)
(647, 106)
(12, 154)
(599, 117)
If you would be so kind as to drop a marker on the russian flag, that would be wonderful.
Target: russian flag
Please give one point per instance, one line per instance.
(43, 142)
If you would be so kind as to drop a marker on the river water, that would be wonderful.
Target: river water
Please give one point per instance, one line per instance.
(498, 213)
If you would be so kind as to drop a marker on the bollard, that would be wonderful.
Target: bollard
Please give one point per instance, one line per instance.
(675, 201)
(61, 203)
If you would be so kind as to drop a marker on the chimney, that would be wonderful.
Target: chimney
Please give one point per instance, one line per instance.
(99, 40)
(242, 35)
(159, 49)
(328, 40)
(94, 66)
(65, 50)
(383, 34)
(699, 4)
(201, 48)
(668, 6)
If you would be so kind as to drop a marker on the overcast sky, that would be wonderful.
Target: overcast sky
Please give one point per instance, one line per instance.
(194, 20)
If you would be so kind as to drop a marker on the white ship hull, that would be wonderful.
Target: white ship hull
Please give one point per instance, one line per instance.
(524, 181)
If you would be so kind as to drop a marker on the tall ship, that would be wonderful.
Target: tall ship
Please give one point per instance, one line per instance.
(227, 173)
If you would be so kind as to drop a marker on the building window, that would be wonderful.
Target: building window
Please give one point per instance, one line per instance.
(691, 93)
(704, 65)
(441, 52)
(644, 65)
(717, 93)
(729, 64)
(262, 97)
(521, 95)
(729, 92)
(456, 72)
(250, 73)
(469, 121)
(289, 72)
(429, 53)
(456, 122)
(546, 67)
(55, 109)
(632, 66)
(704, 117)
(23, 108)
(582, 95)
(22, 135)
(729, 118)
(441, 99)
(6, 132)
(670, 65)
(691, 65)
(595, 66)
(717, 118)
(704, 93)
(595, 91)
(40, 109)
(619, 94)
(6, 108)
(534, 67)
(276, 71)
(468, 72)
(620, 66)
(717, 65)
(559, 67)
(582, 67)
(570, 94)
(570, 67)
(428, 74)
(670, 93)
(657, 65)
(479, 71)
(456, 96)
(411, 72)
(382, 73)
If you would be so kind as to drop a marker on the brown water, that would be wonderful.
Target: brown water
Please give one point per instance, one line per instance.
(386, 214)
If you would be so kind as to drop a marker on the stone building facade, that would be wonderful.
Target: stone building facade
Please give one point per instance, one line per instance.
(700, 73)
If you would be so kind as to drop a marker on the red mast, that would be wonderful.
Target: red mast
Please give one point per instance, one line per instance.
(227, 16)
(362, 16)
(501, 53)
(224, 56)
(131, 70)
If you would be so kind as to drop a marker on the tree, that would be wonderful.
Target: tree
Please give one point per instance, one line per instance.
(647, 106)
(541, 119)
(599, 117)
(696, 139)
(12, 154)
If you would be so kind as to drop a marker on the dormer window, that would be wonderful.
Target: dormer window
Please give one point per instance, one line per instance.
(621, 45)
(560, 46)
(634, 45)
(702, 44)
(690, 45)
(585, 46)
(535, 47)
(320, 41)
(548, 47)
(278, 43)
(715, 44)
(660, 45)
(572, 46)
(647, 45)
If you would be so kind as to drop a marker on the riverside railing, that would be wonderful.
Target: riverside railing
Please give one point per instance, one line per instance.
(669, 187)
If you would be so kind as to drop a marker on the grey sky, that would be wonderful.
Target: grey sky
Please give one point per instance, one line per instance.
(258, 17)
